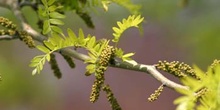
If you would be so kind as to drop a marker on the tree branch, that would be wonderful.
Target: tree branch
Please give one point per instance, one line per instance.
(7, 37)
(150, 69)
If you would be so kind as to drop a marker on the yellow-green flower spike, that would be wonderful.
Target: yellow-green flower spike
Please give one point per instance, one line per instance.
(215, 62)
(54, 66)
(177, 69)
(111, 99)
(25, 37)
(7, 23)
(156, 94)
(69, 60)
(96, 87)
(7, 32)
(106, 54)
(201, 92)
(102, 64)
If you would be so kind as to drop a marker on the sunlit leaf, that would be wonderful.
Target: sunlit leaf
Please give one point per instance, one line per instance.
(50, 2)
(72, 35)
(56, 29)
(81, 34)
(128, 55)
(56, 21)
(44, 2)
(46, 27)
(33, 64)
(34, 71)
(52, 8)
(49, 45)
(43, 48)
(56, 15)
(91, 42)
(119, 52)
(48, 57)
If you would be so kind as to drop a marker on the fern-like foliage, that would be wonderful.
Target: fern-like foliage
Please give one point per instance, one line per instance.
(56, 42)
(49, 13)
(203, 94)
(101, 54)
(94, 47)
(131, 21)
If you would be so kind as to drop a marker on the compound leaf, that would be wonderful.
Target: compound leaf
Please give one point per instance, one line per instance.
(131, 21)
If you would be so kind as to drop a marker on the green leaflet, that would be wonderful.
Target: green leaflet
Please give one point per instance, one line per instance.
(71, 35)
(50, 2)
(43, 49)
(51, 17)
(56, 15)
(91, 42)
(131, 21)
(46, 27)
(125, 57)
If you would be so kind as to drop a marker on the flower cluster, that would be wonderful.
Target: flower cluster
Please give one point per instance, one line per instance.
(111, 98)
(25, 37)
(7, 23)
(156, 94)
(11, 27)
(102, 63)
(177, 69)
(54, 66)
(215, 62)
(201, 92)
(69, 60)
(11, 30)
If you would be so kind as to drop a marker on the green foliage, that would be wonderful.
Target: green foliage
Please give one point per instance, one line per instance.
(54, 43)
(95, 50)
(81, 7)
(134, 9)
(125, 57)
(49, 12)
(203, 94)
(99, 51)
(204, 87)
(131, 21)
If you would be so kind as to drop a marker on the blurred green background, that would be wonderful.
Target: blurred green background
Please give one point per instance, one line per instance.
(170, 32)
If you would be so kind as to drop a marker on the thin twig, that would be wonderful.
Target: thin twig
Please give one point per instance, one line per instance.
(7, 37)
(150, 69)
